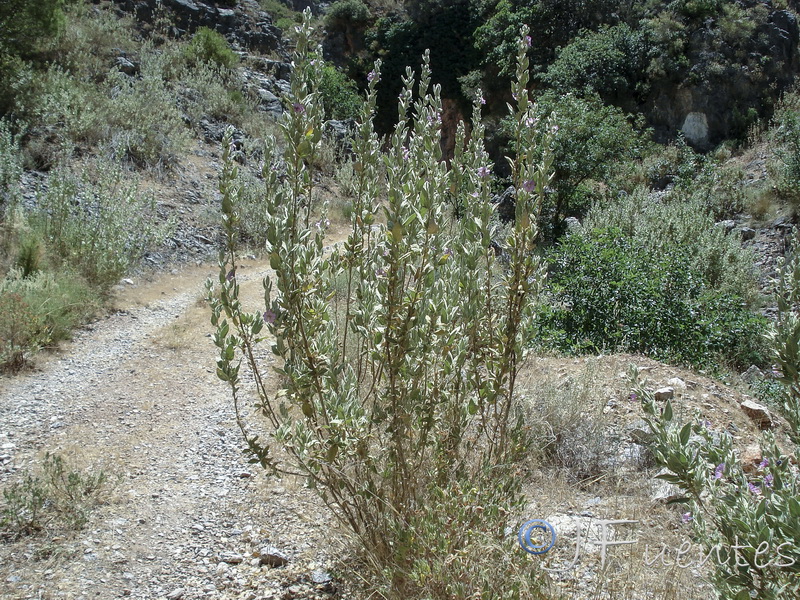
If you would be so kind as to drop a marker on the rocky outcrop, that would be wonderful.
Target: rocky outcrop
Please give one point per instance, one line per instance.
(724, 84)
(242, 22)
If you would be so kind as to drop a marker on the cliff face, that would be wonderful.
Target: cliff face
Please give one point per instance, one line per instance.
(241, 21)
(725, 83)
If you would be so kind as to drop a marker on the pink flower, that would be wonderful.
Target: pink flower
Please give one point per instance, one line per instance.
(270, 317)
(298, 108)
(529, 186)
(769, 480)
(372, 76)
(763, 463)
(719, 471)
(754, 489)
(528, 41)
(481, 99)
(483, 171)
(686, 517)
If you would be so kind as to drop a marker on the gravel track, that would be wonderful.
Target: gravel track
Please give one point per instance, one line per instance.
(135, 394)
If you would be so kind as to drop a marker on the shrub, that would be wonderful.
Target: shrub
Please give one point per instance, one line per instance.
(787, 134)
(143, 123)
(786, 336)
(343, 13)
(685, 226)
(340, 96)
(10, 169)
(592, 140)
(611, 292)
(609, 62)
(748, 522)
(61, 497)
(97, 223)
(20, 331)
(402, 412)
(209, 46)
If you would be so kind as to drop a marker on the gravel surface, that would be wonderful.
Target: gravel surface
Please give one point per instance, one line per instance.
(188, 517)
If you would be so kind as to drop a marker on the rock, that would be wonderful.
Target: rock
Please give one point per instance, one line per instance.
(231, 558)
(664, 491)
(758, 413)
(176, 594)
(322, 579)
(506, 204)
(340, 133)
(695, 128)
(751, 458)
(748, 233)
(677, 383)
(753, 374)
(572, 223)
(727, 225)
(664, 394)
(126, 66)
(272, 557)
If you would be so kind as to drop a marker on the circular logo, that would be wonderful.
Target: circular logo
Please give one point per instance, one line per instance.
(545, 533)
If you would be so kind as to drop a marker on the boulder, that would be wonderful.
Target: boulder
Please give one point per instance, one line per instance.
(758, 413)
(506, 204)
(664, 394)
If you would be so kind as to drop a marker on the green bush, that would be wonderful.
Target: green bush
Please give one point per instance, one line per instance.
(687, 226)
(342, 13)
(97, 223)
(611, 292)
(787, 134)
(20, 331)
(786, 336)
(339, 94)
(59, 498)
(609, 62)
(209, 46)
(698, 9)
(24, 26)
(10, 169)
(593, 140)
(398, 400)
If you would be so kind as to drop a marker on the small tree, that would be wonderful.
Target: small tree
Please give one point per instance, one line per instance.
(399, 352)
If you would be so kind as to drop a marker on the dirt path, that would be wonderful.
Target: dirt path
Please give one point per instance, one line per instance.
(136, 395)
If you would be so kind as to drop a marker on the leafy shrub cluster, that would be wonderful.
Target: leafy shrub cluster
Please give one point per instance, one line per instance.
(59, 498)
(340, 96)
(656, 279)
(747, 517)
(345, 12)
(39, 310)
(209, 46)
(592, 141)
(399, 353)
(97, 223)
(63, 253)
(608, 62)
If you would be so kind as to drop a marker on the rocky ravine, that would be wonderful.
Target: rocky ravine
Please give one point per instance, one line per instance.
(188, 517)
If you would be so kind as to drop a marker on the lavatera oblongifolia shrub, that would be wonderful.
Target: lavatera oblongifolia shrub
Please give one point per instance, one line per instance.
(396, 354)
(746, 518)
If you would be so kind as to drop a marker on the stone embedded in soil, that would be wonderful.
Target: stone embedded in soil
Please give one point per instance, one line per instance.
(758, 413)
(231, 558)
(272, 557)
(664, 394)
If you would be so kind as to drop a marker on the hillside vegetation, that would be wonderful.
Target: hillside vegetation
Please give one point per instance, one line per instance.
(553, 178)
